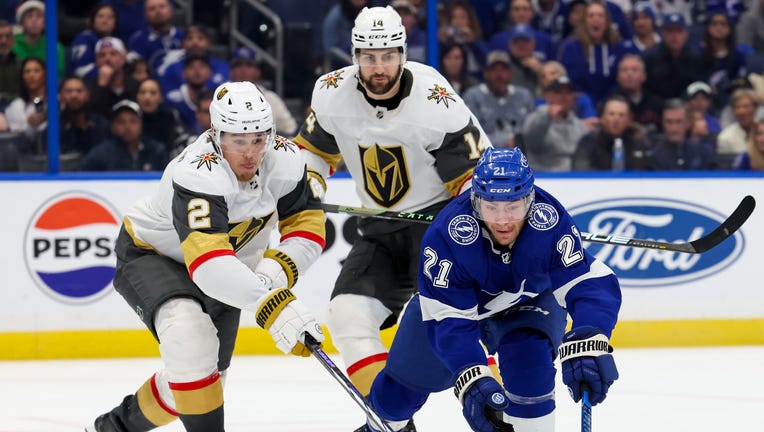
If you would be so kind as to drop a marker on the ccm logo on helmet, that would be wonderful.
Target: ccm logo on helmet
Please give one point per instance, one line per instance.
(500, 190)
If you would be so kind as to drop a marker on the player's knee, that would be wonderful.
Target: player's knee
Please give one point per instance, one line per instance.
(528, 371)
(355, 316)
(393, 400)
(188, 340)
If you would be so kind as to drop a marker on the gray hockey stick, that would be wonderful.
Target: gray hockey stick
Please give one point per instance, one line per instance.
(703, 244)
(374, 418)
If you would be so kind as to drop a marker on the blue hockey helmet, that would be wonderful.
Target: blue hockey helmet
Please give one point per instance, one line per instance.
(503, 175)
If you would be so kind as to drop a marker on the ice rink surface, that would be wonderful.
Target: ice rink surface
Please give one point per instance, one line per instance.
(676, 390)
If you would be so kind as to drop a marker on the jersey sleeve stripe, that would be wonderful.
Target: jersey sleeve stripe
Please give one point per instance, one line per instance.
(333, 159)
(455, 186)
(305, 222)
(435, 310)
(597, 269)
(306, 235)
(206, 257)
(199, 247)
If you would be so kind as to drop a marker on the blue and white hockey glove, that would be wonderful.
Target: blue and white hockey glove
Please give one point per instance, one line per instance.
(587, 363)
(481, 396)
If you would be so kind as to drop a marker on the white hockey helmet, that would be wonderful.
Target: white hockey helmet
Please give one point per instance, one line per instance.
(379, 27)
(240, 107)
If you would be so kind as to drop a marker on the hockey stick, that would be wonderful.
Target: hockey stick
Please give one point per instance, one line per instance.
(374, 418)
(703, 244)
(586, 412)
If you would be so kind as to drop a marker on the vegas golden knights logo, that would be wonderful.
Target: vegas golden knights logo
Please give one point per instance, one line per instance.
(240, 233)
(385, 175)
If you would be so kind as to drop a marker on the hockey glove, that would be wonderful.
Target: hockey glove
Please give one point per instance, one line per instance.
(317, 184)
(480, 395)
(587, 363)
(287, 320)
(278, 267)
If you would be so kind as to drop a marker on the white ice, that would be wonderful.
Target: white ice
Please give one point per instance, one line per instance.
(677, 390)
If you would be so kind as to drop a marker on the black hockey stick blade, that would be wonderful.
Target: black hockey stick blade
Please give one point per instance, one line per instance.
(703, 244)
(374, 418)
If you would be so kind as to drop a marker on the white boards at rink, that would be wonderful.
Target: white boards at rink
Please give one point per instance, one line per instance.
(57, 260)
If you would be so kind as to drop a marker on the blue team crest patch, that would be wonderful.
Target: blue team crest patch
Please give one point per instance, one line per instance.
(464, 229)
(543, 216)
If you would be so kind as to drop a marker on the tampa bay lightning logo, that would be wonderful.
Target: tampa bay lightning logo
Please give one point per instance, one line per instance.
(464, 229)
(543, 216)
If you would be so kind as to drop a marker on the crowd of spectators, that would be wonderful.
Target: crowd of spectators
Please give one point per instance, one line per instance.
(578, 84)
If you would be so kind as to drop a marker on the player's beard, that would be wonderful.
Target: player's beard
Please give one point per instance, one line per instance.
(382, 88)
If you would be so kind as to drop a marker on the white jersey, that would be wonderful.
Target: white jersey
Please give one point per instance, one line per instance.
(201, 212)
(410, 152)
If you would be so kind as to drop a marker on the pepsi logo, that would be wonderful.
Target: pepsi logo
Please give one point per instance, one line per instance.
(68, 247)
(661, 220)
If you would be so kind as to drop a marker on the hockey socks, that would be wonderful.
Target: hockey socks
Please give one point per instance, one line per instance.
(200, 403)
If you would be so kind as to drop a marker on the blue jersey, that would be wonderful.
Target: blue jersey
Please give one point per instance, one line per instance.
(466, 278)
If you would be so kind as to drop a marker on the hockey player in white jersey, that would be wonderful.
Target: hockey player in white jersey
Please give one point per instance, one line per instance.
(410, 144)
(194, 255)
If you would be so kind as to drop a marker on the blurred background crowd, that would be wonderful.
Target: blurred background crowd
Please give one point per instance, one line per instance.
(579, 85)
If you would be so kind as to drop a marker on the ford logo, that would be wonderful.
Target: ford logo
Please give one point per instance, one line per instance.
(661, 220)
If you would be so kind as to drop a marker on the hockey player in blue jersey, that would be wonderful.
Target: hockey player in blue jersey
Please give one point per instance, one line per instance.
(502, 264)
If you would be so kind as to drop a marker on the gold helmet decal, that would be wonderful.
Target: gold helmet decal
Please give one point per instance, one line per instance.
(440, 94)
(386, 177)
(222, 93)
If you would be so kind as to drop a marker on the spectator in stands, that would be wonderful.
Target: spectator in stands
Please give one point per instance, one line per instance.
(131, 17)
(112, 83)
(498, 105)
(699, 97)
(461, 26)
(672, 64)
(81, 128)
(645, 107)
(522, 12)
(126, 151)
(31, 41)
(72, 19)
(160, 123)
(28, 112)
(197, 41)
(336, 28)
(593, 53)
(196, 74)
(750, 28)
(584, 107)
(159, 36)
(203, 112)
(137, 68)
(523, 58)
(752, 159)
(416, 38)
(574, 13)
(9, 65)
(723, 58)
(644, 22)
(699, 127)
(595, 150)
(453, 66)
(674, 150)
(549, 18)
(244, 67)
(551, 132)
(733, 139)
(102, 22)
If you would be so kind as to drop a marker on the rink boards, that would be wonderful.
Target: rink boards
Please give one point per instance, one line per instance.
(58, 262)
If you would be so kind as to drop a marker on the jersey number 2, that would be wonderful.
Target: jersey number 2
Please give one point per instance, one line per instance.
(199, 213)
(441, 280)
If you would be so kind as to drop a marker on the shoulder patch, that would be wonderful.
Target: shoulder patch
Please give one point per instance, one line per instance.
(206, 160)
(440, 94)
(332, 79)
(282, 143)
(464, 229)
(543, 216)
